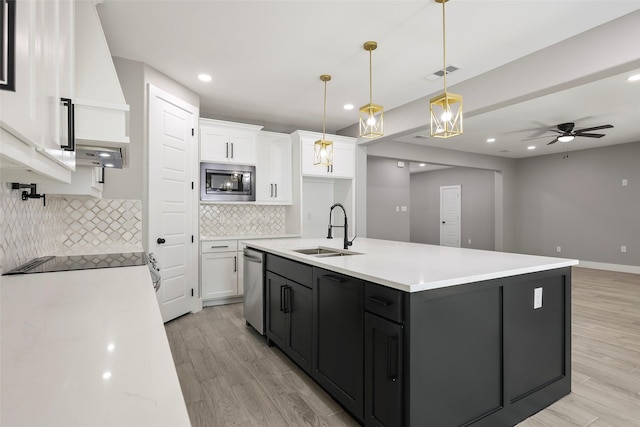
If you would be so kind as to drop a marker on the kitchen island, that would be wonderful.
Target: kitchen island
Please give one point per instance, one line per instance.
(86, 348)
(405, 334)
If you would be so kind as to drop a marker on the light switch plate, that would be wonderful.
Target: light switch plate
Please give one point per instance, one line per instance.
(537, 298)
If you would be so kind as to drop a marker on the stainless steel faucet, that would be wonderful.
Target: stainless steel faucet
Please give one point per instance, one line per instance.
(347, 242)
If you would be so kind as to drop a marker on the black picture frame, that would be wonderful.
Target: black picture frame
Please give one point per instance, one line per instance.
(7, 44)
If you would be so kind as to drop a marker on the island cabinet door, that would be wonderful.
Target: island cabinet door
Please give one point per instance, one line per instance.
(538, 337)
(300, 307)
(382, 372)
(338, 331)
(277, 317)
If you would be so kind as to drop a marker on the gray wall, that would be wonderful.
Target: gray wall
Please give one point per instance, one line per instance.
(477, 206)
(134, 76)
(387, 188)
(579, 203)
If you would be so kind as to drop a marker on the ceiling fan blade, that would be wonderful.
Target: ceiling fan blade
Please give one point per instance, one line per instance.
(594, 128)
(553, 142)
(590, 135)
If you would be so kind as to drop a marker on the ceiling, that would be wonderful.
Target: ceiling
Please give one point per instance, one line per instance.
(266, 57)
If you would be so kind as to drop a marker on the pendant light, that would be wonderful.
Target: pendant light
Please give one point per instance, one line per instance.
(322, 148)
(446, 108)
(371, 115)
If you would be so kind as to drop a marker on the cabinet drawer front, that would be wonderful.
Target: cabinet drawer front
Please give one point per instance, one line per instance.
(383, 301)
(292, 270)
(219, 246)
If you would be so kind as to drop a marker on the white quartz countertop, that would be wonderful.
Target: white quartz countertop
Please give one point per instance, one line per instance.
(86, 348)
(412, 267)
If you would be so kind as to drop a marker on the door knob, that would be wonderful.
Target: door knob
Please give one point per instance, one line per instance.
(443, 222)
(160, 240)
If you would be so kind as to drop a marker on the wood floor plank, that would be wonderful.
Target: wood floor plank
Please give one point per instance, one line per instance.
(225, 407)
(258, 406)
(295, 410)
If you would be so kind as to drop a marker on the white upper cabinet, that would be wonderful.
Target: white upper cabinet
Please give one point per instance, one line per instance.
(33, 121)
(344, 155)
(227, 142)
(273, 168)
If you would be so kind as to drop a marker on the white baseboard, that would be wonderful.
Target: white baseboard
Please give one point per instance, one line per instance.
(610, 267)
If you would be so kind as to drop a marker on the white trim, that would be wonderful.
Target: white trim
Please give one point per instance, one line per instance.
(611, 267)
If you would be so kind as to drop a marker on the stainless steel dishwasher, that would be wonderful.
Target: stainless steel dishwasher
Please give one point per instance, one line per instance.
(254, 304)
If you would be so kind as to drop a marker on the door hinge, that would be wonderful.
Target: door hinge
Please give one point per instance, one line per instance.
(191, 291)
(192, 238)
(193, 132)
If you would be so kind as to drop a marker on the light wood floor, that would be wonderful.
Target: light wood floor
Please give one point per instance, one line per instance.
(229, 376)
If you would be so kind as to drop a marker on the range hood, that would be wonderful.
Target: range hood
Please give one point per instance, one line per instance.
(101, 111)
(99, 157)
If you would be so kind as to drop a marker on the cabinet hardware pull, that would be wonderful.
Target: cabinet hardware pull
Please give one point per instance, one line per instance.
(227, 150)
(232, 150)
(71, 133)
(219, 246)
(282, 298)
(271, 190)
(380, 301)
(334, 278)
(235, 264)
(287, 293)
(391, 372)
(276, 189)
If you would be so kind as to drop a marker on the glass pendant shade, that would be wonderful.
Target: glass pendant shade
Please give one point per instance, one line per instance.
(446, 115)
(371, 121)
(323, 148)
(323, 152)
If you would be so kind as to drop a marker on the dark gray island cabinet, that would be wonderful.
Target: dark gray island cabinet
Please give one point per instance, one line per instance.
(487, 353)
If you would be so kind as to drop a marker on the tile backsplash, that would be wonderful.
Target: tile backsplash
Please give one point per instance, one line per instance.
(241, 220)
(66, 225)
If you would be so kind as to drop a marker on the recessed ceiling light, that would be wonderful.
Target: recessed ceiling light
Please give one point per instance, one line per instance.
(204, 77)
(103, 154)
(108, 165)
(348, 106)
(531, 147)
(422, 165)
(491, 140)
(634, 78)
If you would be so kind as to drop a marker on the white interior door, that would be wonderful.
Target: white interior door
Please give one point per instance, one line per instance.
(450, 215)
(171, 200)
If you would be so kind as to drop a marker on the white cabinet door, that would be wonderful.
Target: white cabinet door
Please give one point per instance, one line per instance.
(226, 142)
(343, 159)
(280, 170)
(219, 272)
(85, 181)
(273, 168)
(240, 261)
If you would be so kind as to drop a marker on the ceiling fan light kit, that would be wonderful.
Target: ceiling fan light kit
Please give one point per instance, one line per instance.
(371, 115)
(567, 132)
(446, 112)
(323, 148)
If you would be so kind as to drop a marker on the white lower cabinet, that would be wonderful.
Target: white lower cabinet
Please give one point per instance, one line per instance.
(220, 270)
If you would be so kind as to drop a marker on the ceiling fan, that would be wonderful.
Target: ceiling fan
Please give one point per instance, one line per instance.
(567, 133)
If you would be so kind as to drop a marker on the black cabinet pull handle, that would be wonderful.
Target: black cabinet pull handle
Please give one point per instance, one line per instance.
(287, 299)
(227, 150)
(282, 297)
(380, 301)
(235, 264)
(334, 278)
(232, 150)
(161, 241)
(392, 358)
(71, 135)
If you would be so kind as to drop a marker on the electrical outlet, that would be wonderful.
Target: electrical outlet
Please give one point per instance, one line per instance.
(469, 241)
(623, 249)
(403, 208)
(558, 249)
(625, 182)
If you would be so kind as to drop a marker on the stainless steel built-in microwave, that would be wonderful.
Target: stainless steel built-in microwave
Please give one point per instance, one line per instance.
(220, 182)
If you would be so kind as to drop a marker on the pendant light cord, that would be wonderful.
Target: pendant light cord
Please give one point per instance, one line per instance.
(444, 47)
(370, 80)
(324, 113)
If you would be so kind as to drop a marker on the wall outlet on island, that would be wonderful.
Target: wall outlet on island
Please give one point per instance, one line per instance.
(469, 241)
(558, 249)
(623, 249)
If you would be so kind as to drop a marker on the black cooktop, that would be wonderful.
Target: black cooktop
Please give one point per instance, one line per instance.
(50, 264)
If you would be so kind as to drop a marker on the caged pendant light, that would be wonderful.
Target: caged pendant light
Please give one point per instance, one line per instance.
(322, 148)
(371, 115)
(446, 108)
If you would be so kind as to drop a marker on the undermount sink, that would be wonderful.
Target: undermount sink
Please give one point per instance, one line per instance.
(322, 252)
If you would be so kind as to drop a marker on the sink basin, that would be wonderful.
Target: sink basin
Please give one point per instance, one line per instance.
(322, 252)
